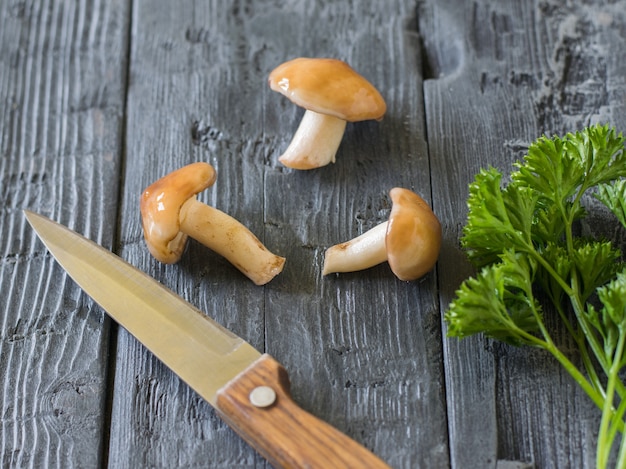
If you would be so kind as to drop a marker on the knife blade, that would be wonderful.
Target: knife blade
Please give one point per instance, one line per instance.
(248, 389)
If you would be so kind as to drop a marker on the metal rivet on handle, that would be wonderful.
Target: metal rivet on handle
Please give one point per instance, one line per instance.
(262, 396)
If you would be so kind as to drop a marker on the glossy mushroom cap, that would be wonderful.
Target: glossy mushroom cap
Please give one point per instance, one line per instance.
(160, 209)
(328, 86)
(413, 235)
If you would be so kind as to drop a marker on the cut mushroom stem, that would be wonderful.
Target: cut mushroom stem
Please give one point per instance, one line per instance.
(360, 253)
(410, 241)
(229, 238)
(315, 143)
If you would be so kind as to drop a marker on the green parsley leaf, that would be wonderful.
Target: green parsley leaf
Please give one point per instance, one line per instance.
(521, 236)
(497, 219)
(613, 195)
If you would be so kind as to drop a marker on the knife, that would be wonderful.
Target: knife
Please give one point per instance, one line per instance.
(249, 390)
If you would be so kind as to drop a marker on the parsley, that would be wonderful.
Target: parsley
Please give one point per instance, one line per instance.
(521, 236)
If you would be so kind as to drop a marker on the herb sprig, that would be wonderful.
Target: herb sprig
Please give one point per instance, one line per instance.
(521, 235)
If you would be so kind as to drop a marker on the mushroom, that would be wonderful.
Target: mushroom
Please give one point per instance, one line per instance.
(170, 213)
(410, 241)
(332, 93)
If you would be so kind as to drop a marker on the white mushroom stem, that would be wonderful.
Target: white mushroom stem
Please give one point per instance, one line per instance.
(362, 252)
(228, 237)
(315, 143)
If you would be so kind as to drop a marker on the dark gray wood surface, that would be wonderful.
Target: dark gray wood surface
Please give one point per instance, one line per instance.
(500, 75)
(62, 92)
(100, 98)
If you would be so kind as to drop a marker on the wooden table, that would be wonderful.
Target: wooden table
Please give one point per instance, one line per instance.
(100, 98)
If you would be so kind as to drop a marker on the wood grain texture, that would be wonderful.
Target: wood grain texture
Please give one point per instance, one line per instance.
(501, 74)
(199, 74)
(280, 430)
(467, 84)
(362, 349)
(61, 107)
(190, 98)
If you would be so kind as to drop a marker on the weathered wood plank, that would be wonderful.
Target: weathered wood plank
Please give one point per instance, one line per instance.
(192, 97)
(62, 68)
(363, 350)
(503, 73)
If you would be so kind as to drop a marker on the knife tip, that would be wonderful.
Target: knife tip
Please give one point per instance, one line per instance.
(30, 215)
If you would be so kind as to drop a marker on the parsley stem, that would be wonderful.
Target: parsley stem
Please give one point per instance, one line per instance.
(591, 386)
(608, 413)
(590, 337)
(592, 340)
(616, 423)
(621, 458)
(525, 229)
(548, 344)
(579, 338)
(592, 392)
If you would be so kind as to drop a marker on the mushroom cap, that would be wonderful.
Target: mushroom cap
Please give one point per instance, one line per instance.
(328, 86)
(413, 236)
(160, 209)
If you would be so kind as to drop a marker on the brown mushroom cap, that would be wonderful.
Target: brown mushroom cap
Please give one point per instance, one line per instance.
(328, 86)
(413, 235)
(160, 208)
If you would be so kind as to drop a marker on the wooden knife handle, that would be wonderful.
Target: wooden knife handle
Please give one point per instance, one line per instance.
(278, 429)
